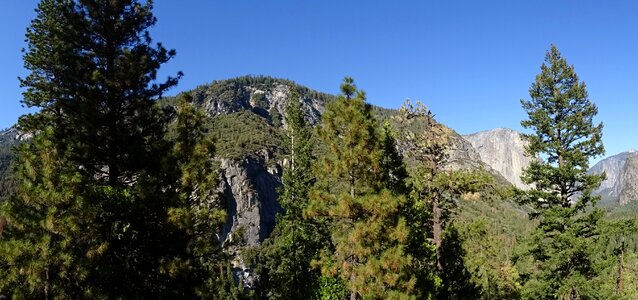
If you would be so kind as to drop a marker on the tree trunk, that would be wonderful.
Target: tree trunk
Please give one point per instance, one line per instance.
(3, 222)
(437, 228)
(621, 281)
(46, 284)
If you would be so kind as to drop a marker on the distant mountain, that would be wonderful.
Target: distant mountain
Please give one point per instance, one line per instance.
(621, 185)
(504, 151)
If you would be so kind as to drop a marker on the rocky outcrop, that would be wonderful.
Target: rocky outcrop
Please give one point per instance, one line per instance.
(249, 186)
(613, 167)
(264, 96)
(462, 155)
(504, 151)
(629, 180)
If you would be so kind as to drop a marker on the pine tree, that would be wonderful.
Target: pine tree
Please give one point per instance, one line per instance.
(368, 236)
(44, 225)
(94, 223)
(392, 166)
(432, 203)
(283, 261)
(429, 141)
(199, 212)
(564, 138)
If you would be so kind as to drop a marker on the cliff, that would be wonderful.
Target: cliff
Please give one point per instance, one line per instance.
(502, 149)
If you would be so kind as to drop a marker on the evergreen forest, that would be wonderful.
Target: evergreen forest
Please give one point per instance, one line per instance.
(258, 188)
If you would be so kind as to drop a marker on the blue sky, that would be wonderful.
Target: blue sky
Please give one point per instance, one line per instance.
(469, 61)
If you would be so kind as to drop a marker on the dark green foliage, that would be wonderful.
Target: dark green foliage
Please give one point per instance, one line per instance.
(354, 154)
(617, 259)
(565, 137)
(283, 260)
(8, 140)
(275, 117)
(456, 279)
(199, 212)
(44, 226)
(244, 133)
(90, 217)
(392, 166)
(491, 227)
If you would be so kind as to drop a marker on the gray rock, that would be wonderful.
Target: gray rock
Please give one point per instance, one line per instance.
(613, 167)
(629, 180)
(504, 151)
(250, 191)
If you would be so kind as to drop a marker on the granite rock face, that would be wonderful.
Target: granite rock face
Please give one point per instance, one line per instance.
(249, 187)
(613, 167)
(629, 180)
(262, 96)
(621, 184)
(504, 150)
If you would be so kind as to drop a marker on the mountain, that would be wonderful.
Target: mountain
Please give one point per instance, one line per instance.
(504, 151)
(247, 124)
(246, 121)
(622, 178)
(629, 180)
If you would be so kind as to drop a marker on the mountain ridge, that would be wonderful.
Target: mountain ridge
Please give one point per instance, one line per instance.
(503, 150)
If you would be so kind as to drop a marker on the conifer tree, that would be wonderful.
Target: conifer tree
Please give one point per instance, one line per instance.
(368, 235)
(564, 138)
(95, 223)
(199, 213)
(392, 167)
(44, 225)
(283, 261)
(433, 200)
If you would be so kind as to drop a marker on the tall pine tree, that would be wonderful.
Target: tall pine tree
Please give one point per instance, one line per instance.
(283, 260)
(199, 213)
(563, 139)
(95, 223)
(368, 235)
(435, 190)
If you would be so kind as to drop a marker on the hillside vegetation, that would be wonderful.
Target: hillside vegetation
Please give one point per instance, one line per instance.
(259, 188)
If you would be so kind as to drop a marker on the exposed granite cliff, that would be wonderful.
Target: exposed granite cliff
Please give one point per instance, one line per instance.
(504, 151)
(265, 96)
(250, 188)
(629, 180)
(613, 167)
(621, 185)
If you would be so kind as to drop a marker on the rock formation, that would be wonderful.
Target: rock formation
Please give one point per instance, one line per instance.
(629, 180)
(613, 167)
(504, 151)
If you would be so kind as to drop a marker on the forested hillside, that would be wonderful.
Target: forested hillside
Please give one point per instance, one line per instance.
(259, 188)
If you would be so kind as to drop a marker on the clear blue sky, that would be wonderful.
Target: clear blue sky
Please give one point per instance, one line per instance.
(469, 61)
